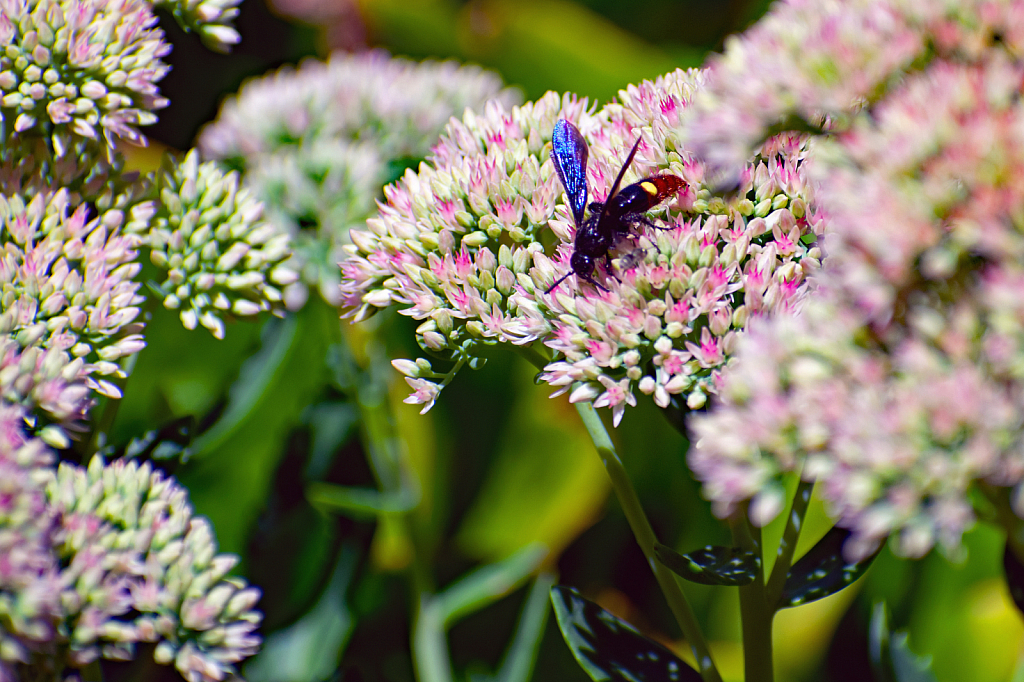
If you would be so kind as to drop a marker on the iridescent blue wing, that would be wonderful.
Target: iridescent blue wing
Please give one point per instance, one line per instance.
(569, 153)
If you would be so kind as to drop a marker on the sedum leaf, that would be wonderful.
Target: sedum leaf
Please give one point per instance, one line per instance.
(611, 649)
(729, 566)
(822, 571)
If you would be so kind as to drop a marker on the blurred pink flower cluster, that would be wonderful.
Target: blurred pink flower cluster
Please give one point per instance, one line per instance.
(95, 561)
(316, 144)
(465, 245)
(98, 560)
(898, 385)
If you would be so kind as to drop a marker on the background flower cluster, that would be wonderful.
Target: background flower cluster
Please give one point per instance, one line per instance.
(100, 560)
(318, 142)
(77, 79)
(898, 388)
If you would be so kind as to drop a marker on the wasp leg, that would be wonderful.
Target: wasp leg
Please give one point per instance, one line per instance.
(591, 280)
(611, 269)
(644, 220)
(557, 282)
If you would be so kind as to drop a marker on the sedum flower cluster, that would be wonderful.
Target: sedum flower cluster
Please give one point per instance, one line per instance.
(80, 69)
(100, 560)
(29, 573)
(898, 386)
(77, 79)
(211, 19)
(318, 142)
(218, 254)
(471, 243)
(96, 561)
(69, 302)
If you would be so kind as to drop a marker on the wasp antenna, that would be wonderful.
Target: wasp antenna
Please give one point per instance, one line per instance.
(559, 281)
(618, 178)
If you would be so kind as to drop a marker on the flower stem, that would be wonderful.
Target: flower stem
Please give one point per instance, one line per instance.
(388, 463)
(755, 612)
(645, 537)
(790, 536)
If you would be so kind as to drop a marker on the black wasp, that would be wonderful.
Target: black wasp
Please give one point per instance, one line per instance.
(608, 221)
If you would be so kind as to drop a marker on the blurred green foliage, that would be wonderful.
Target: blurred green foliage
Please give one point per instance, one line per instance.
(496, 465)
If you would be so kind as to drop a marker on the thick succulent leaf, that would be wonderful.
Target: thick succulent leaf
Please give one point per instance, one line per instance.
(1014, 570)
(611, 649)
(712, 565)
(822, 571)
(891, 658)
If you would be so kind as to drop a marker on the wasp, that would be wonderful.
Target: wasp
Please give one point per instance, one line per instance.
(610, 220)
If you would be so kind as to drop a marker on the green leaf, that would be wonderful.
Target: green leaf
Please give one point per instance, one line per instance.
(517, 665)
(545, 483)
(331, 424)
(470, 593)
(822, 571)
(254, 383)
(360, 502)
(235, 463)
(611, 649)
(891, 658)
(488, 583)
(730, 566)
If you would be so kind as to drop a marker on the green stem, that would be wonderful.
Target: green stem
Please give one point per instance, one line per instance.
(790, 537)
(386, 460)
(428, 643)
(645, 537)
(755, 612)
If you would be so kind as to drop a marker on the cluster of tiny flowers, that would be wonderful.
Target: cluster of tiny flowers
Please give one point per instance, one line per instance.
(66, 286)
(29, 573)
(211, 19)
(809, 61)
(79, 68)
(318, 143)
(899, 384)
(47, 378)
(27, 167)
(77, 78)
(220, 257)
(459, 245)
(672, 313)
(139, 567)
(98, 560)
